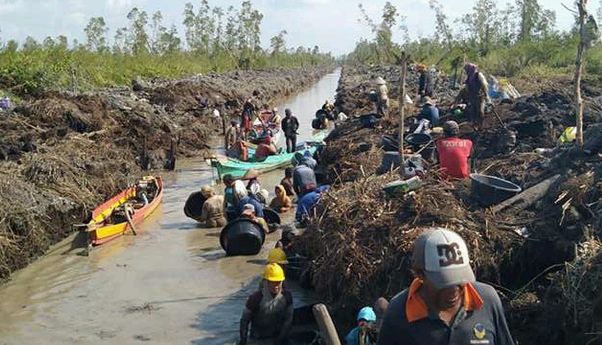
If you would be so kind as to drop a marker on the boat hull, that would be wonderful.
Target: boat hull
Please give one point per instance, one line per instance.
(99, 234)
(237, 168)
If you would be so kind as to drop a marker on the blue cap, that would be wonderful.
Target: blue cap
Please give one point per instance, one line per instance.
(366, 313)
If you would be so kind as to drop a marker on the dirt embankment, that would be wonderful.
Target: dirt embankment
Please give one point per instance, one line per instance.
(545, 259)
(62, 154)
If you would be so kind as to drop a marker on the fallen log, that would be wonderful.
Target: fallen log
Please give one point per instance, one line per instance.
(528, 197)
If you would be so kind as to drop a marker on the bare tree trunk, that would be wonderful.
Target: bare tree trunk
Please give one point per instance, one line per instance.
(578, 71)
(402, 103)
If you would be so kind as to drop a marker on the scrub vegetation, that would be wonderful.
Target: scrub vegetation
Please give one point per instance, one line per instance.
(215, 40)
(518, 40)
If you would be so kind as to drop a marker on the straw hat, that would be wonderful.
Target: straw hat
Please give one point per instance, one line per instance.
(379, 81)
(428, 100)
(207, 191)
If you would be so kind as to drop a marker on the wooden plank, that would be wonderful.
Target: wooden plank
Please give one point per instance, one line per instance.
(327, 328)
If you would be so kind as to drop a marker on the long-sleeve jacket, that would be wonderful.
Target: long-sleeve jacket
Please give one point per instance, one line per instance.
(290, 125)
(212, 212)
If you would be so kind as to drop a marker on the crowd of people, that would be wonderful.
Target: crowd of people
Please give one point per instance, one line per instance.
(472, 102)
(444, 304)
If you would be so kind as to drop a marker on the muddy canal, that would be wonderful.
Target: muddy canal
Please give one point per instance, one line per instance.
(171, 284)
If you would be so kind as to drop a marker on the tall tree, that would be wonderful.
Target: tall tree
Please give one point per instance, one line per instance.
(250, 31)
(443, 31)
(62, 42)
(11, 46)
(218, 38)
(231, 31)
(277, 43)
(169, 42)
(384, 47)
(200, 27)
(48, 42)
(157, 31)
(30, 44)
(96, 32)
(137, 31)
(534, 20)
(120, 42)
(482, 25)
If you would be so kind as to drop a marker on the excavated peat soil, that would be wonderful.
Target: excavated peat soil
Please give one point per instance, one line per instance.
(61, 154)
(545, 260)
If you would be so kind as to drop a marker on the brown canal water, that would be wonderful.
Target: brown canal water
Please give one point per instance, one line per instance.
(170, 284)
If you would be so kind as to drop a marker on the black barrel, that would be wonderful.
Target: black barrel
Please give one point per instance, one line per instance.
(418, 141)
(242, 237)
(271, 216)
(194, 205)
(390, 143)
(231, 213)
(490, 190)
(391, 160)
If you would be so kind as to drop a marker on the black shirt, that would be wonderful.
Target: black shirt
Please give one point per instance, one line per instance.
(290, 125)
(484, 326)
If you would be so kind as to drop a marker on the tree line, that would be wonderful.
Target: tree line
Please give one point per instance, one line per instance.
(214, 39)
(507, 39)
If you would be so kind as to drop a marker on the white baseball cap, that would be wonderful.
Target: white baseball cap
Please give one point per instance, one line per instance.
(443, 256)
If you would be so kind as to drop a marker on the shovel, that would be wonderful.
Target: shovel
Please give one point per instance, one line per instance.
(490, 108)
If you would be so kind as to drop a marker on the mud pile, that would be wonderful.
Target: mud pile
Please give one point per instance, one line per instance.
(62, 154)
(360, 240)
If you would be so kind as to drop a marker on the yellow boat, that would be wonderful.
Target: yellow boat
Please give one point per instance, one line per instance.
(110, 220)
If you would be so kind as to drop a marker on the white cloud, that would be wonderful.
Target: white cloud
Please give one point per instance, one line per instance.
(11, 6)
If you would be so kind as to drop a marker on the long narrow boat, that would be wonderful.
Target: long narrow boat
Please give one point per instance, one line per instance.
(237, 168)
(107, 225)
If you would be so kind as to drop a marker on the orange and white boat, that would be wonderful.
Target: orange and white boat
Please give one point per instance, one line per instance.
(125, 210)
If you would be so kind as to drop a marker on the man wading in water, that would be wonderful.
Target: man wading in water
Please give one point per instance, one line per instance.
(269, 310)
(444, 305)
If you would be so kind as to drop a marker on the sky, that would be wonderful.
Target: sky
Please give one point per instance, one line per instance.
(331, 24)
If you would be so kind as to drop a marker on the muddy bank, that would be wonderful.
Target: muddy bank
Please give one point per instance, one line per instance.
(544, 258)
(62, 154)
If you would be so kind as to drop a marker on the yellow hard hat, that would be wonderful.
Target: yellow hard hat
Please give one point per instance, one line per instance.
(273, 273)
(568, 136)
(277, 256)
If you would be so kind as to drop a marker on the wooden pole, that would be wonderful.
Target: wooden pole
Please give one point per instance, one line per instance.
(578, 71)
(327, 329)
(402, 103)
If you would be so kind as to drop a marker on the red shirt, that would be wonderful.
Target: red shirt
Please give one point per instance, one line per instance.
(453, 156)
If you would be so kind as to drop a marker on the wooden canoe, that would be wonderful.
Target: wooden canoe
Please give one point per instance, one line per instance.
(101, 230)
(237, 168)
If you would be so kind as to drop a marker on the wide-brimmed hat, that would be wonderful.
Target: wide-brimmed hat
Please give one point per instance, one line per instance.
(428, 100)
(379, 81)
(207, 191)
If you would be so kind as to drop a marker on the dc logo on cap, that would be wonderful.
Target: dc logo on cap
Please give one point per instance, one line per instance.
(450, 254)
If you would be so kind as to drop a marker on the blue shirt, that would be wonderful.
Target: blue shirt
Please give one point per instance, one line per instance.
(353, 337)
(308, 202)
(431, 113)
(229, 196)
(250, 200)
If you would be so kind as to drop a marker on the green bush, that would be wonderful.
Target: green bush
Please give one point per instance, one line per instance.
(30, 72)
